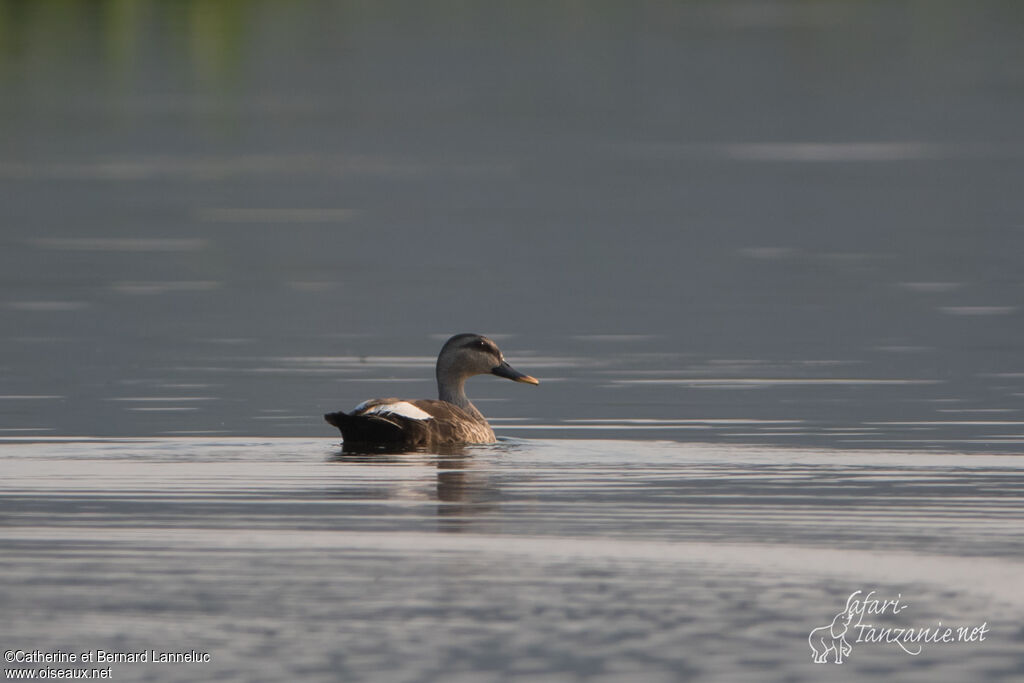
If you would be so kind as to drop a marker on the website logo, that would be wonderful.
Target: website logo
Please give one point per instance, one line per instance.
(870, 619)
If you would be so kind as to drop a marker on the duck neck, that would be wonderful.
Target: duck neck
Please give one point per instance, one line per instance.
(452, 388)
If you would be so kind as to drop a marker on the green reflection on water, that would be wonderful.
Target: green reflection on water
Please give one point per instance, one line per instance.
(44, 36)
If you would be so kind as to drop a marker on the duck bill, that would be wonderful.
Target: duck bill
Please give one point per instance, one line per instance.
(508, 372)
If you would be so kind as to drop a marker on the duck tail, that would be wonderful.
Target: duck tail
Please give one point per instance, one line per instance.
(338, 419)
(359, 430)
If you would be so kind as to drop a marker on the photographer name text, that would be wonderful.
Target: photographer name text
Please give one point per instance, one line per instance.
(106, 657)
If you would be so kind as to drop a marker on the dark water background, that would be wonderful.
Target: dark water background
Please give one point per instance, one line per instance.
(765, 257)
(213, 212)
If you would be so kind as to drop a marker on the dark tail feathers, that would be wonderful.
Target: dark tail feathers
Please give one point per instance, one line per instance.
(359, 430)
(337, 419)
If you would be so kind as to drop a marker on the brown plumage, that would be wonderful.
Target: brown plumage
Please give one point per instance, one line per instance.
(399, 424)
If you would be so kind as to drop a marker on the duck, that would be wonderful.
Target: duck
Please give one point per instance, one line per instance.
(451, 420)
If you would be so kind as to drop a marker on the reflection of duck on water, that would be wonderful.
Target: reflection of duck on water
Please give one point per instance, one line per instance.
(394, 423)
(463, 486)
(465, 489)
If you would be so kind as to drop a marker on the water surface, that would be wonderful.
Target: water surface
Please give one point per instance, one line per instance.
(532, 559)
(764, 257)
(230, 219)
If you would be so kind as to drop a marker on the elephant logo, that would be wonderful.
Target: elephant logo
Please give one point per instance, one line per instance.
(831, 639)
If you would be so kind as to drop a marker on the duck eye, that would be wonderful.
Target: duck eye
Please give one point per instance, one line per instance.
(483, 345)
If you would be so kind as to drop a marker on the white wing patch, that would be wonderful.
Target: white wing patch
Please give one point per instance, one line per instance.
(402, 408)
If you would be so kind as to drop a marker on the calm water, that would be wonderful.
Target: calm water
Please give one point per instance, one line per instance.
(539, 560)
(765, 257)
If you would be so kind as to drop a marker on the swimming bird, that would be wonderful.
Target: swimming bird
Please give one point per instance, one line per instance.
(395, 423)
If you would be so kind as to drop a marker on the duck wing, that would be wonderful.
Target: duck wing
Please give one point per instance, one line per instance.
(398, 423)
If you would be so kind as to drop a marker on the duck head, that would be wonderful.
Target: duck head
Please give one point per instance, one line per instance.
(465, 355)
